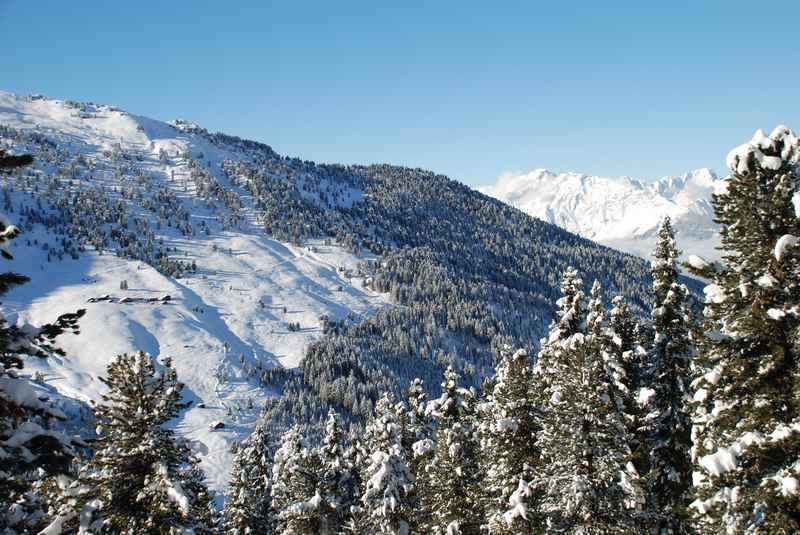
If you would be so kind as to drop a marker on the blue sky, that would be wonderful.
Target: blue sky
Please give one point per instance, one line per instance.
(466, 89)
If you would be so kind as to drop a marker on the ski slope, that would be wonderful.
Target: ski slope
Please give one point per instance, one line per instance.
(221, 325)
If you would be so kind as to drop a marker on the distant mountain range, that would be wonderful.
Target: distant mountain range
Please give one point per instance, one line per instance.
(620, 212)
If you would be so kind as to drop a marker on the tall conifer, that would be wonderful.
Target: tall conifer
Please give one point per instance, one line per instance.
(746, 434)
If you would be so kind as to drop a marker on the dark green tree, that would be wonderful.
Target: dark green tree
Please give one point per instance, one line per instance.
(668, 428)
(587, 481)
(248, 508)
(296, 473)
(337, 484)
(141, 478)
(624, 331)
(508, 425)
(746, 434)
(388, 482)
(452, 486)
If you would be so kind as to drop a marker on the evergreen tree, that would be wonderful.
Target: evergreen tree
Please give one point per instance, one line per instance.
(624, 330)
(571, 314)
(336, 481)
(418, 445)
(508, 427)
(387, 479)
(746, 434)
(248, 508)
(668, 427)
(587, 481)
(358, 460)
(31, 447)
(452, 479)
(295, 486)
(141, 479)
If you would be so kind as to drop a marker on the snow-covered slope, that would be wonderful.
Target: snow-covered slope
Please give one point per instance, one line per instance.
(224, 323)
(619, 212)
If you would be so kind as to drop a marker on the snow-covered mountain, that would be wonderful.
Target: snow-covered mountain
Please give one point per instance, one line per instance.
(278, 286)
(620, 212)
(223, 324)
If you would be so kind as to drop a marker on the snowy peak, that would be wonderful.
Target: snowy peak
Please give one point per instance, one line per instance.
(621, 212)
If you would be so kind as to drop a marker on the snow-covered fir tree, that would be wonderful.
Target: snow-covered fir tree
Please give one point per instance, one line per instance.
(624, 330)
(141, 478)
(508, 453)
(31, 447)
(248, 508)
(337, 485)
(571, 313)
(452, 481)
(668, 422)
(388, 482)
(746, 433)
(587, 481)
(357, 459)
(419, 446)
(295, 486)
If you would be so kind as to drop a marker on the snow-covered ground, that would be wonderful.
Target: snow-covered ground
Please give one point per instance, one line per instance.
(619, 212)
(221, 325)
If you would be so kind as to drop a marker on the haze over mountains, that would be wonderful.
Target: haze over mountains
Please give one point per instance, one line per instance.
(620, 212)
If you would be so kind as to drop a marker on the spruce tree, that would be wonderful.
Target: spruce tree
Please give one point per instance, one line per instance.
(419, 446)
(141, 478)
(624, 329)
(358, 460)
(388, 482)
(248, 508)
(746, 434)
(508, 427)
(668, 429)
(295, 486)
(336, 485)
(452, 478)
(587, 481)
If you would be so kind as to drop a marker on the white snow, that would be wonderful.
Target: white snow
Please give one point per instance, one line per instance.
(723, 460)
(784, 243)
(697, 262)
(788, 485)
(766, 281)
(714, 294)
(776, 314)
(726, 459)
(517, 503)
(175, 492)
(712, 377)
(796, 203)
(644, 395)
(741, 159)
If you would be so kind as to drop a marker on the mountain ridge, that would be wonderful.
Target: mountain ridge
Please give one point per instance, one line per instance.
(621, 212)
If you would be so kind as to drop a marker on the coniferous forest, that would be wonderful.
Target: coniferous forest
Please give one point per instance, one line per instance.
(648, 406)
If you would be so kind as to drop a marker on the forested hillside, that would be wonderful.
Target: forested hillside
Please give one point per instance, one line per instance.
(374, 349)
(466, 273)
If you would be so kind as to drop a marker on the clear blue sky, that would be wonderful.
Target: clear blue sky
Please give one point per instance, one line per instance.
(467, 89)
